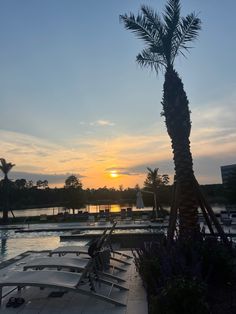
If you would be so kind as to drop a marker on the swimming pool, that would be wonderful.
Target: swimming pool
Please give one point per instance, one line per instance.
(13, 244)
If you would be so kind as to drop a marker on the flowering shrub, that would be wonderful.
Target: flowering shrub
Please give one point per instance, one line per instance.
(178, 278)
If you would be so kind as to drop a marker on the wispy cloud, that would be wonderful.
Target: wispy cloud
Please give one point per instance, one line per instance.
(70, 159)
(53, 179)
(102, 123)
(122, 171)
(213, 140)
(214, 129)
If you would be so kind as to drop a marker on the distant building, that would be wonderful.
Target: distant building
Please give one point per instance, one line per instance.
(227, 173)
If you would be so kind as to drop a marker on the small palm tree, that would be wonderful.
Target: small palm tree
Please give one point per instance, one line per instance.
(165, 39)
(5, 167)
(153, 182)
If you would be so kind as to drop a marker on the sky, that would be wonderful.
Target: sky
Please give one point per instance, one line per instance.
(74, 101)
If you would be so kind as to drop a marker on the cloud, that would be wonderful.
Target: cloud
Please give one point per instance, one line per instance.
(207, 167)
(219, 114)
(121, 171)
(165, 166)
(93, 155)
(52, 178)
(214, 130)
(102, 123)
(70, 159)
(31, 153)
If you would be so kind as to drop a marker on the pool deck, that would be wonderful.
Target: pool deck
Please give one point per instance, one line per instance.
(39, 301)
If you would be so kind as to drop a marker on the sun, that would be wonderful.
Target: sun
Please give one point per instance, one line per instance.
(114, 174)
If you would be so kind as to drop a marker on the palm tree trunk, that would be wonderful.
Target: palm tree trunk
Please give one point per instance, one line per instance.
(177, 115)
(5, 215)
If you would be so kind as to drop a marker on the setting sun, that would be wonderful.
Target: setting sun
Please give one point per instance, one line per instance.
(114, 174)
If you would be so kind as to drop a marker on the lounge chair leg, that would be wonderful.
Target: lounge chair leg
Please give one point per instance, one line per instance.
(96, 276)
(108, 275)
(91, 283)
(113, 284)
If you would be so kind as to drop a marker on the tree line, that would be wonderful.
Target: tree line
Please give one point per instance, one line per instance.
(156, 192)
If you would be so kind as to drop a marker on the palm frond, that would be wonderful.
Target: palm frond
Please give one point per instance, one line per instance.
(187, 32)
(165, 38)
(155, 21)
(140, 26)
(171, 18)
(158, 49)
(171, 15)
(5, 167)
(158, 29)
(149, 59)
(149, 170)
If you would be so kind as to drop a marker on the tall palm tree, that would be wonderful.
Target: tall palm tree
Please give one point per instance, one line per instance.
(165, 38)
(5, 167)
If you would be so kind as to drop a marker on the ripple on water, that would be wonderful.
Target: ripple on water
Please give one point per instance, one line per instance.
(12, 246)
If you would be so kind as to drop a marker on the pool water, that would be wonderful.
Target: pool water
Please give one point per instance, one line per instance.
(13, 244)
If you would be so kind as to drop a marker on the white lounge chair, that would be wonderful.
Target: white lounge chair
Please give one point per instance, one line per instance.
(67, 281)
(70, 264)
(102, 242)
(83, 250)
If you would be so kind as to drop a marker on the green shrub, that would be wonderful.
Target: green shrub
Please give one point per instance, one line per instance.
(150, 270)
(217, 267)
(180, 296)
(180, 278)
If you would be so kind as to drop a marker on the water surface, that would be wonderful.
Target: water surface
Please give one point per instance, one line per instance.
(13, 244)
(113, 208)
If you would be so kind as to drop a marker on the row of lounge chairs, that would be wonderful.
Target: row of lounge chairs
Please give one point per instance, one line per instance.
(126, 215)
(104, 216)
(76, 274)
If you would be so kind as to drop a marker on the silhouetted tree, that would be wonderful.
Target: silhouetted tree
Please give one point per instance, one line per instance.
(74, 192)
(20, 184)
(42, 184)
(5, 167)
(29, 184)
(121, 188)
(165, 39)
(73, 182)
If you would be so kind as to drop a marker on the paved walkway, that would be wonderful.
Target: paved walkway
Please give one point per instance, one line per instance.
(39, 302)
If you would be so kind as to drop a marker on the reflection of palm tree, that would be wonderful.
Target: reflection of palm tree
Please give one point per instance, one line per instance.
(5, 167)
(165, 39)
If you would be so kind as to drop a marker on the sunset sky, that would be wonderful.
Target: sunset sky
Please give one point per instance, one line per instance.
(74, 101)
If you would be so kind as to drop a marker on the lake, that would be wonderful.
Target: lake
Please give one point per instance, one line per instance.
(90, 209)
